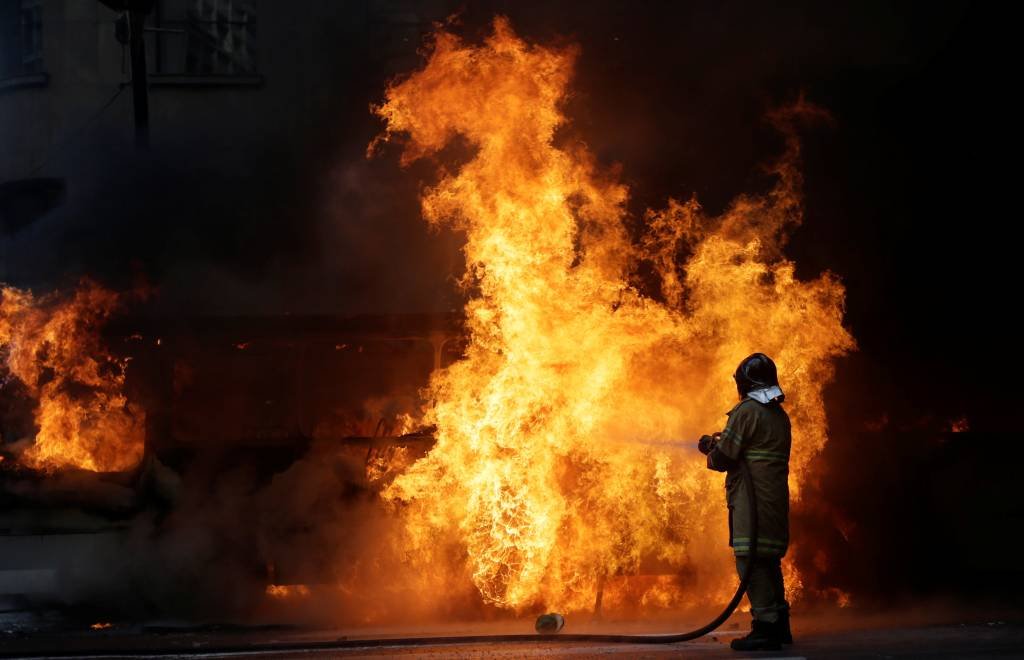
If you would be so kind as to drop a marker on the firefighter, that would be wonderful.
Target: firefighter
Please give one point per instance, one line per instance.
(758, 431)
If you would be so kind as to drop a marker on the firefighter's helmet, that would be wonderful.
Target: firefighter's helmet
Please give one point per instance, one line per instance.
(755, 372)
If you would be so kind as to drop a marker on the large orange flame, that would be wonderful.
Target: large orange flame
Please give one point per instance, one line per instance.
(52, 345)
(537, 485)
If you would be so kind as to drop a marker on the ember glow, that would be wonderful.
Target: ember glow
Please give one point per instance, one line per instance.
(537, 490)
(287, 591)
(52, 345)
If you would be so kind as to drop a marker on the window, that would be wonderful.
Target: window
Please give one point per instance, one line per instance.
(21, 41)
(203, 39)
(397, 28)
(31, 36)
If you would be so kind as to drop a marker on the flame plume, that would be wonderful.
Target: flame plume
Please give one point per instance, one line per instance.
(52, 345)
(535, 489)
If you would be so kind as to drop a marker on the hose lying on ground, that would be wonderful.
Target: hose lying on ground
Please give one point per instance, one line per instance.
(473, 639)
(670, 638)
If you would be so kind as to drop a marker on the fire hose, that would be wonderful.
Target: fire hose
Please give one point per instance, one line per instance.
(670, 638)
(343, 643)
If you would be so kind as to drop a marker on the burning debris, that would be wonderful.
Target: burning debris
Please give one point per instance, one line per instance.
(51, 346)
(534, 490)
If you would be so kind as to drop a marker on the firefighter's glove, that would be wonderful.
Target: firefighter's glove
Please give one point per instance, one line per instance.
(706, 444)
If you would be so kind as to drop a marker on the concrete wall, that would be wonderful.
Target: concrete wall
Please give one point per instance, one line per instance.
(82, 61)
(306, 54)
(236, 190)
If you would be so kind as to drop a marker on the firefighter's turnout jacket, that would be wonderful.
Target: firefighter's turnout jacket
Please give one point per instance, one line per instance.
(760, 434)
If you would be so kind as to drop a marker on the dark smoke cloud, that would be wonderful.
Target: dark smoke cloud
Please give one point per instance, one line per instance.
(233, 238)
(224, 533)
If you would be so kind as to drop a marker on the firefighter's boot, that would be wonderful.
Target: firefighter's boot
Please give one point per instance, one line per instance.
(763, 636)
(785, 634)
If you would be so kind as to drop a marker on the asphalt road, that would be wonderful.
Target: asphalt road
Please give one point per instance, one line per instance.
(850, 637)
